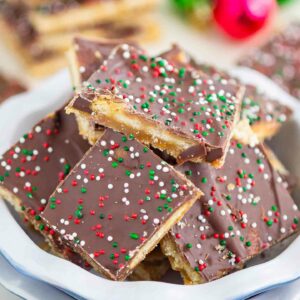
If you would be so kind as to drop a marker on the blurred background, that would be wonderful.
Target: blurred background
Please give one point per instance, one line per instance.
(37, 33)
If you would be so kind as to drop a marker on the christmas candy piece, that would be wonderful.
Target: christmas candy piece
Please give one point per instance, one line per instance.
(279, 59)
(117, 203)
(265, 115)
(32, 168)
(170, 108)
(246, 209)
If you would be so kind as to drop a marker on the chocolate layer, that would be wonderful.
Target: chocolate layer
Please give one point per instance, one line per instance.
(115, 200)
(178, 99)
(90, 54)
(245, 210)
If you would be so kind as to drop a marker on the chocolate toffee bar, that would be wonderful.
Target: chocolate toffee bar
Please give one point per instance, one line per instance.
(117, 203)
(33, 167)
(265, 115)
(172, 109)
(246, 209)
(279, 60)
(31, 170)
(9, 87)
(41, 53)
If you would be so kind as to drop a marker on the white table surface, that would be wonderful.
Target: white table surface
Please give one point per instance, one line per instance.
(203, 45)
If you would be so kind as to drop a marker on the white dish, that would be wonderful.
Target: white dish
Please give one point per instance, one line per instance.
(25, 256)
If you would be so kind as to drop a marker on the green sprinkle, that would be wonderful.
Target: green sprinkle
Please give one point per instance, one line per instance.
(274, 207)
(79, 214)
(127, 257)
(114, 164)
(223, 243)
(181, 72)
(134, 236)
(188, 245)
(204, 180)
(52, 205)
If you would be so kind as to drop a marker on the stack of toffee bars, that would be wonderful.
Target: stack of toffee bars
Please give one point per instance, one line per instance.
(169, 152)
(39, 32)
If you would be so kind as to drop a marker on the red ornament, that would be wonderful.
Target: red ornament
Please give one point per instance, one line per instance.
(242, 18)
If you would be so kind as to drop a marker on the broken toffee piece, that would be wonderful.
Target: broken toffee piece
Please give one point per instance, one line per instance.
(171, 109)
(265, 115)
(279, 60)
(245, 210)
(117, 203)
(32, 168)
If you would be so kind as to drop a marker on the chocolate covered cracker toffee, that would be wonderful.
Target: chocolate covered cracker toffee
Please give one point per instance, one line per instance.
(40, 33)
(117, 203)
(265, 115)
(170, 108)
(33, 167)
(245, 210)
